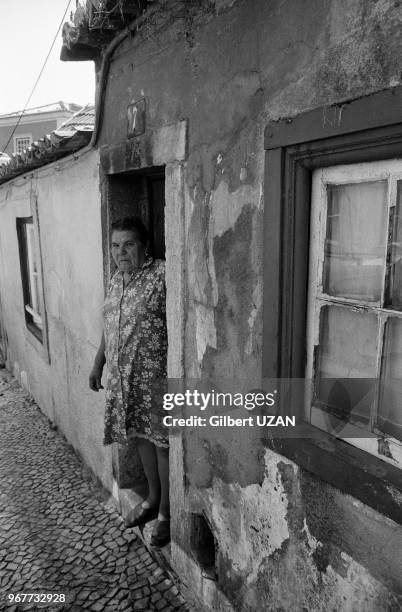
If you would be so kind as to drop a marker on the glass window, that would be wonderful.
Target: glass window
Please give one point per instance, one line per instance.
(22, 143)
(29, 259)
(355, 306)
(355, 241)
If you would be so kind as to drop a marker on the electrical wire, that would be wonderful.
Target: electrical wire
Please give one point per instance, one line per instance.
(39, 76)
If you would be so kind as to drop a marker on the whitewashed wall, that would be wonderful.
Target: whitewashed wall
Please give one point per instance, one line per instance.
(66, 194)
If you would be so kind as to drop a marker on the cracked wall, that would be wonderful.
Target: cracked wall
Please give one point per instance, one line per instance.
(284, 537)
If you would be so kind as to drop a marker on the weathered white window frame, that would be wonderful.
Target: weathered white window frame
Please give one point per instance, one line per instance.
(363, 130)
(391, 171)
(33, 275)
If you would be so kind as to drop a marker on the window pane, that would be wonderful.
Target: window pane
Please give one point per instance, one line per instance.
(21, 144)
(32, 247)
(346, 363)
(36, 292)
(394, 257)
(355, 243)
(390, 407)
(31, 254)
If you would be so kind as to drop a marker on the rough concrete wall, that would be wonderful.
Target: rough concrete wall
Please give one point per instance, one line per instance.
(68, 203)
(296, 543)
(284, 538)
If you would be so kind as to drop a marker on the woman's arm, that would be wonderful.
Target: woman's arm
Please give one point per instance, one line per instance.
(95, 377)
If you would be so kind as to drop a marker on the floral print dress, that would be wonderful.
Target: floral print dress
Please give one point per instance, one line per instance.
(136, 351)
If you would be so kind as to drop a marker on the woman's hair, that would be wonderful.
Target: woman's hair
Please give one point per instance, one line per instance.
(132, 224)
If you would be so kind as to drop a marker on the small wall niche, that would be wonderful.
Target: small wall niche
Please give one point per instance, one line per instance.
(203, 545)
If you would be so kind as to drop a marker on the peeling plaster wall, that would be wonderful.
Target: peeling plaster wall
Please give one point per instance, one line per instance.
(286, 540)
(68, 204)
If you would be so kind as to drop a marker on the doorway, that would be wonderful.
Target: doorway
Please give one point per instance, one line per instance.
(135, 194)
(141, 194)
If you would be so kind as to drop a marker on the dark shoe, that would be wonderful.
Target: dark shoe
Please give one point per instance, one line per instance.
(161, 533)
(140, 516)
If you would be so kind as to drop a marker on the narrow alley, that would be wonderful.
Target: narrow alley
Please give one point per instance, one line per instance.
(60, 534)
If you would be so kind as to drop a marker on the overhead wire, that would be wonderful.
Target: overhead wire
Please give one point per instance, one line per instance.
(39, 76)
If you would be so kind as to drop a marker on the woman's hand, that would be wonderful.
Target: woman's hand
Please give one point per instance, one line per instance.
(95, 378)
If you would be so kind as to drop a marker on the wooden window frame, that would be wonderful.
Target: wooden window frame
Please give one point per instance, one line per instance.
(26, 276)
(376, 441)
(363, 130)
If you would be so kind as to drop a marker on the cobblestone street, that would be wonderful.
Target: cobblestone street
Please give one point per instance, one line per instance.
(59, 532)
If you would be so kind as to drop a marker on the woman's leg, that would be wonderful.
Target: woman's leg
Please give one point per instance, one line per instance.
(149, 460)
(163, 471)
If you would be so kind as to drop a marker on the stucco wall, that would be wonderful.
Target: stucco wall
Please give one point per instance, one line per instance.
(286, 540)
(68, 205)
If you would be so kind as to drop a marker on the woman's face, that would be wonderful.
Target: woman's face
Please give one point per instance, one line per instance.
(128, 252)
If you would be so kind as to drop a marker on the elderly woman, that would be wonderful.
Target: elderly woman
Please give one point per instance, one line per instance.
(134, 347)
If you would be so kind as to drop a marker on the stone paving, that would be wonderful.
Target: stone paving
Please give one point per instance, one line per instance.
(59, 531)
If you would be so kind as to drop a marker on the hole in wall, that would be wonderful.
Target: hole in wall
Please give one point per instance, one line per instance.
(203, 545)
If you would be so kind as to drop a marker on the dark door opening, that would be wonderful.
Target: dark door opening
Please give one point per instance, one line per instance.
(136, 194)
(141, 194)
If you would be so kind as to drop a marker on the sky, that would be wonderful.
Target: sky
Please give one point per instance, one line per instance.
(28, 28)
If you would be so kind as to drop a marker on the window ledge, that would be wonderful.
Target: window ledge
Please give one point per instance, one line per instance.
(374, 482)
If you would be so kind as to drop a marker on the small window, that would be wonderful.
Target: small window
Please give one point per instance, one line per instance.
(21, 143)
(355, 305)
(29, 260)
